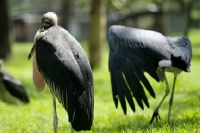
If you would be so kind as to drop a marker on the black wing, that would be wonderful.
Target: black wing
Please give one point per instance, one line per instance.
(66, 69)
(133, 51)
(15, 87)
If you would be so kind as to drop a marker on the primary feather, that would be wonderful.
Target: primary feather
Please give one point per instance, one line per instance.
(135, 51)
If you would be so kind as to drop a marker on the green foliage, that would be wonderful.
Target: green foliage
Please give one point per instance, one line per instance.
(36, 117)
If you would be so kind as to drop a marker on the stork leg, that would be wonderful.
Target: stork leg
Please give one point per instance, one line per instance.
(155, 113)
(72, 130)
(172, 97)
(55, 118)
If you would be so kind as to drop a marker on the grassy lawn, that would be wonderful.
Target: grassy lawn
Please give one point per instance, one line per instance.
(36, 117)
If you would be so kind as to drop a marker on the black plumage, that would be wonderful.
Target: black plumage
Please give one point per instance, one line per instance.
(11, 88)
(66, 70)
(135, 51)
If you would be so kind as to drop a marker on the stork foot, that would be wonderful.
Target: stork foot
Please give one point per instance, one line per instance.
(155, 115)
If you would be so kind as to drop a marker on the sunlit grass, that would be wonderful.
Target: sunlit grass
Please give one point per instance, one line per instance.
(36, 117)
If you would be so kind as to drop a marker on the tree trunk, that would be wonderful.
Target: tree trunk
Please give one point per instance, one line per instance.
(188, 10)
(5, 49)
(97, 32)
(160, 17)
(65, 13)
(161, 22)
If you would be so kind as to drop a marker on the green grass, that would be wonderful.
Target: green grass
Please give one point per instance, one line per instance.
(36, 117)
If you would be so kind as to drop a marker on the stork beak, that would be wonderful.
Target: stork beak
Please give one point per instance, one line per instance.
(32, 52)
(188, 69)
(41, 29)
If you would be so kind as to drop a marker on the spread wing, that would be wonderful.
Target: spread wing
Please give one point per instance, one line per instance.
(66, 69)
(133, 52)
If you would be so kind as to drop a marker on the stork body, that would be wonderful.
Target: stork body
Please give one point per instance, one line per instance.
(135, 51)
(11, 89)
(64, 66)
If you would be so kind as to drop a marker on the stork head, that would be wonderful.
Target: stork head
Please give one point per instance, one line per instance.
(48, 20)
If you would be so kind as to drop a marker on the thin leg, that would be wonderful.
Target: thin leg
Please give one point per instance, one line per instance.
(55, 118)
(155, 113)
(172, 97)
(72, 130)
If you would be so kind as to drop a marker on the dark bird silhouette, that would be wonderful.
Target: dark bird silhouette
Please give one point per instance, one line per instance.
(135, 51)
(62, 64)
(11, 89)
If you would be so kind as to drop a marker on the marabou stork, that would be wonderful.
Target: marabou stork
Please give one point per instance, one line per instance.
(61, 63)
(11, 89)
(135, 51)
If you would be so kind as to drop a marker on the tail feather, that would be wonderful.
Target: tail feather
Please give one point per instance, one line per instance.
(83, 105)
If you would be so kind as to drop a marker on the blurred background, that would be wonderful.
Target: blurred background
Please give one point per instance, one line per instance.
(89, 20)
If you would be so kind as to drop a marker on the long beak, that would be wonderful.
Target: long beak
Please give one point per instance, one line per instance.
(188, 69)
(32, 52)
(41, 29)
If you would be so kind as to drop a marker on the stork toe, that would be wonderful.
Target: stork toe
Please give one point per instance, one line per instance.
(155, 115)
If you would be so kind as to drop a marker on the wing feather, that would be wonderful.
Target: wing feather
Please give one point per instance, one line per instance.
(15, 87)
(136, 87)
(114, 90)
(141, 77)
(133, 52)
(118, 78)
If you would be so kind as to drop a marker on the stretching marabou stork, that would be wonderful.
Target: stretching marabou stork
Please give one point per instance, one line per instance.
(11, 89)
(135, 51)
(62, 64)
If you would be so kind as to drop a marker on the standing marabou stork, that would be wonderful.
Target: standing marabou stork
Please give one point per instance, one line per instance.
(62, 64)
(11, 89)
(135, 51)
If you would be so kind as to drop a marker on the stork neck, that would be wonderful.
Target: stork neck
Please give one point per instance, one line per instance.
(40, 33)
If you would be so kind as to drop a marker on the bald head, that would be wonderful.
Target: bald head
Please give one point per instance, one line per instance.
(49, 19)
